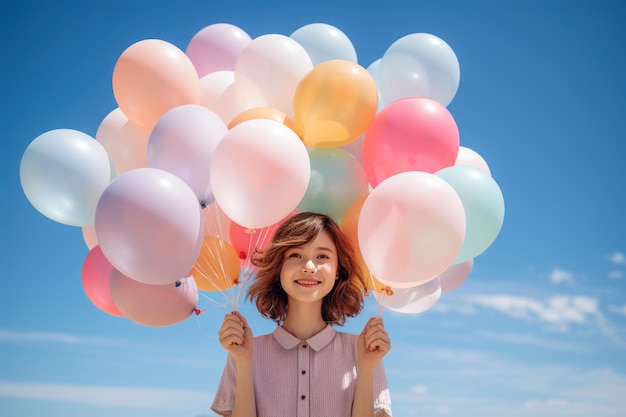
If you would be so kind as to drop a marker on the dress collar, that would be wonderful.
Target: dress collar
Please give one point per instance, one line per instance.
(317, 342)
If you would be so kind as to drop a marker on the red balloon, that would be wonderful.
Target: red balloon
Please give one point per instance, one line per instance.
(246, 240)
(96, 274)
(412, 134)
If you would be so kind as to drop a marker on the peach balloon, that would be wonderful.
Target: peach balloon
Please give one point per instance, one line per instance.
(125, 142)
(151, 77)
(334, 103)
(154, 305)
(217, 267)
(89, 236)
(217, 92)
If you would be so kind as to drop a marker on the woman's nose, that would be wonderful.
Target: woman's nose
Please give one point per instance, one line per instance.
(309, 266)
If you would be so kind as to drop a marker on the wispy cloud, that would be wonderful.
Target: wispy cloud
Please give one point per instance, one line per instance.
(9, 336)
(618, 258)
(559, 275)
(522, 339)
(490, 384)
(618, 309)
(615, 274)
(559, 309)
(140, 397)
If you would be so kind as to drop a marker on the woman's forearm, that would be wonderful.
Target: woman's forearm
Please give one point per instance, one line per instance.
(245, 403)
(363, 403)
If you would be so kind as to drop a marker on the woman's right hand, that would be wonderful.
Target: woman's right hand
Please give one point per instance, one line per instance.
(236, 337)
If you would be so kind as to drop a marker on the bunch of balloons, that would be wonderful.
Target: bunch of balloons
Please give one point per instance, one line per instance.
(211, 148)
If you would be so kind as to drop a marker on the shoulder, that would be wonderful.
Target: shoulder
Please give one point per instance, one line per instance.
(345, 339)
(346, 336)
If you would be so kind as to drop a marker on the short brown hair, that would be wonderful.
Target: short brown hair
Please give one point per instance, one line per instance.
(345, 299)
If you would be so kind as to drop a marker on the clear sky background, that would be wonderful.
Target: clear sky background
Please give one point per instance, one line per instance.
(539, 327)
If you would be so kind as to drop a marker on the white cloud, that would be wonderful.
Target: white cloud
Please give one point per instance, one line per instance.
(615, 274)
(419, 389)
(559, 309)
(618, 258)
(560, 275)
(140, 397)
(38, 337)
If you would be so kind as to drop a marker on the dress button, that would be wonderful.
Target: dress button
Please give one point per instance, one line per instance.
(302, 397)
(303, 372)
(304, 346)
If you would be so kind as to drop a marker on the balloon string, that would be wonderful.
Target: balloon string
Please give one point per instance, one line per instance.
(218, 277)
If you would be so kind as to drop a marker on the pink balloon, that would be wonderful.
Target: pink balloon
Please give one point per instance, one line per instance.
(149, 225)
(412, 134)
(125, 142)
(410, 229)
(183, 141)
(259, 172)
(471, 158)
(455, 275)
(216, 47)
(96, 274)
(413, 300)
(154, 305)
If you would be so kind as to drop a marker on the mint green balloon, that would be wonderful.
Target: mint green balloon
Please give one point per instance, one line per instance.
(337, 180)
(483, 204)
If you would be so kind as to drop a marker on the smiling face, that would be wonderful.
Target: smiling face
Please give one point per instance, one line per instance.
(309, 271)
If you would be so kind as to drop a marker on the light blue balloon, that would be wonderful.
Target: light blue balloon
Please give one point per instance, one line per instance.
(324, 42)
(337, 180)
(63, 173)
(483, 204)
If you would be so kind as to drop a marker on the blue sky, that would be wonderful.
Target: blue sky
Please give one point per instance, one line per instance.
(539, 327)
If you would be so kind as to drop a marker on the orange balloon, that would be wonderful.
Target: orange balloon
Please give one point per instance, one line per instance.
(350, 226)
(217, 267)
(270, 113)
(151, 77)
(334, 103)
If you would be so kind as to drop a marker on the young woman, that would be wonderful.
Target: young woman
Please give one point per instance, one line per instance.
(306, 280)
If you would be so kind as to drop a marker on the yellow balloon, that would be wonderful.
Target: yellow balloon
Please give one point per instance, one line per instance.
(334, 104)
(261, 113)
(217, 268)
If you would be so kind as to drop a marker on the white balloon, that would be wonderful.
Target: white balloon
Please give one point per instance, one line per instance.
(413, 300)
(63, 172)
(419, 65)
(218, 93)
(324, 42)
(471, 158)
(268, 71)
(455, 275)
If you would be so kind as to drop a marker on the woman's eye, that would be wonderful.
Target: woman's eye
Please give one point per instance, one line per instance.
(293, 255)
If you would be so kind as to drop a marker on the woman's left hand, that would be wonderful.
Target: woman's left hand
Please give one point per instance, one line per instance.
(373, 343)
